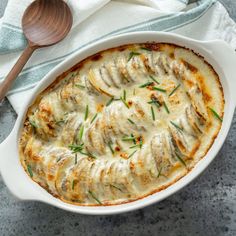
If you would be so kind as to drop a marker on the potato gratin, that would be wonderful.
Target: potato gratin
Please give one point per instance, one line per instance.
(122, 124)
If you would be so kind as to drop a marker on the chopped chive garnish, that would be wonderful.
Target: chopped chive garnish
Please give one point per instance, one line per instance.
(146, 49)
(80, 86)
(159, 172)
(152, 78)
(124, 95)
(76, 148)
(128, 138)
(125, 103)
(87, 154)
(59, 159)
(76, 158)
(94, 117)
(134, 92)
(180, 159)
(132, 153)
(60, 121)
(133, 54)
(124, 77)
(166, 108)
(94, 197)
(73, 184)
(110, 101)
(141, 142)
(134, 138)
(86, 113)
(153, 114)
(216, 114)
(33, 123)
(174, 90)
(145, 85)
(159, 89)
(81, 132)
(116, 187)
(134, 146)
(155, 102)
(132, 122)
(30, 170)
(110, 147)
(176, 126)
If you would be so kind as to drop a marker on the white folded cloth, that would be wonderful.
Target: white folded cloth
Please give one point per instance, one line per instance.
(94, 20)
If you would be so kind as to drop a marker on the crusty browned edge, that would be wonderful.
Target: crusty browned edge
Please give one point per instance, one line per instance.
(150, 45)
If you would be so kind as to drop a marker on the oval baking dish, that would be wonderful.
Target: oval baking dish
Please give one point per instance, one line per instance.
(216, 53)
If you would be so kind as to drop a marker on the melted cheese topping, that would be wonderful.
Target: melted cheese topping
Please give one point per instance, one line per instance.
(122, 124)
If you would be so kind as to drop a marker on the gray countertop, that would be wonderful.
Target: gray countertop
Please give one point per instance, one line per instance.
(205, 207)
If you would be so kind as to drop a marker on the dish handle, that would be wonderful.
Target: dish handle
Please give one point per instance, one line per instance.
(12, 172)
(227, 56)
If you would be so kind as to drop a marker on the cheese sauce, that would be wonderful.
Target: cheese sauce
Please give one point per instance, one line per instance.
(122, 124)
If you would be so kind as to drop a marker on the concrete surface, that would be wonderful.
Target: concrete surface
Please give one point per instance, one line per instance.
(205, 207)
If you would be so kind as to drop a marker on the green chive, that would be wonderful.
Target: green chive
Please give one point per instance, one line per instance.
(94, 197)
(132, 122)
(110, 101)
(81, 131)
(141, 142)
(166, 108)
(33, 123)
(125, 103)
(146, 49)
(159, 172)
(152, 78)
(76, 148)
(134, 140)
(155, 102)
(216, 114)
(76, 158)
(94, 117)
(110, 147)
(116, 187)
(159, 89)
(86, 113)
(60, 121)
(134, 146)
(124, 95)
(145, 85)
(87, 154)
(153, 114)
(132, 153)
(128, 138)
(77, 200)
(138, 145)
(30, 170)
(124, 77)
(80, 86)
(176, 126)
(73, 184)
(180, 159)
(59, 159)
(133, 54)
(134, 92)
(174, 90)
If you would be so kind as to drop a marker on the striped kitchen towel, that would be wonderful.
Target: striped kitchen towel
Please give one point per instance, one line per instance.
(94, 20)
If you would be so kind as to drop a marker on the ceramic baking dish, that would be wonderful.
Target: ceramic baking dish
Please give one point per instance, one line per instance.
(217, 53)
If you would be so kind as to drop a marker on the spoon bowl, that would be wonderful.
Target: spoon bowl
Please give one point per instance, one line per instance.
(44, 23)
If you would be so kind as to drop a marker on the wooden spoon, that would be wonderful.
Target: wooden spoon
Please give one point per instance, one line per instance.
(44, 23)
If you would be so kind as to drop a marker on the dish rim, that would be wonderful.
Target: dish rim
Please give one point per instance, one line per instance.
(207, 49)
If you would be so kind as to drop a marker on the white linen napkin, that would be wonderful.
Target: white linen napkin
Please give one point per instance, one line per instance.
(93, 20)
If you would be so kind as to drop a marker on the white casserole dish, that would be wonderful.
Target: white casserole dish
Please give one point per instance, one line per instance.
(217, 53)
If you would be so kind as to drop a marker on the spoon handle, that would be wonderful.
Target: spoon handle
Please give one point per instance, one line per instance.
(6, 84)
